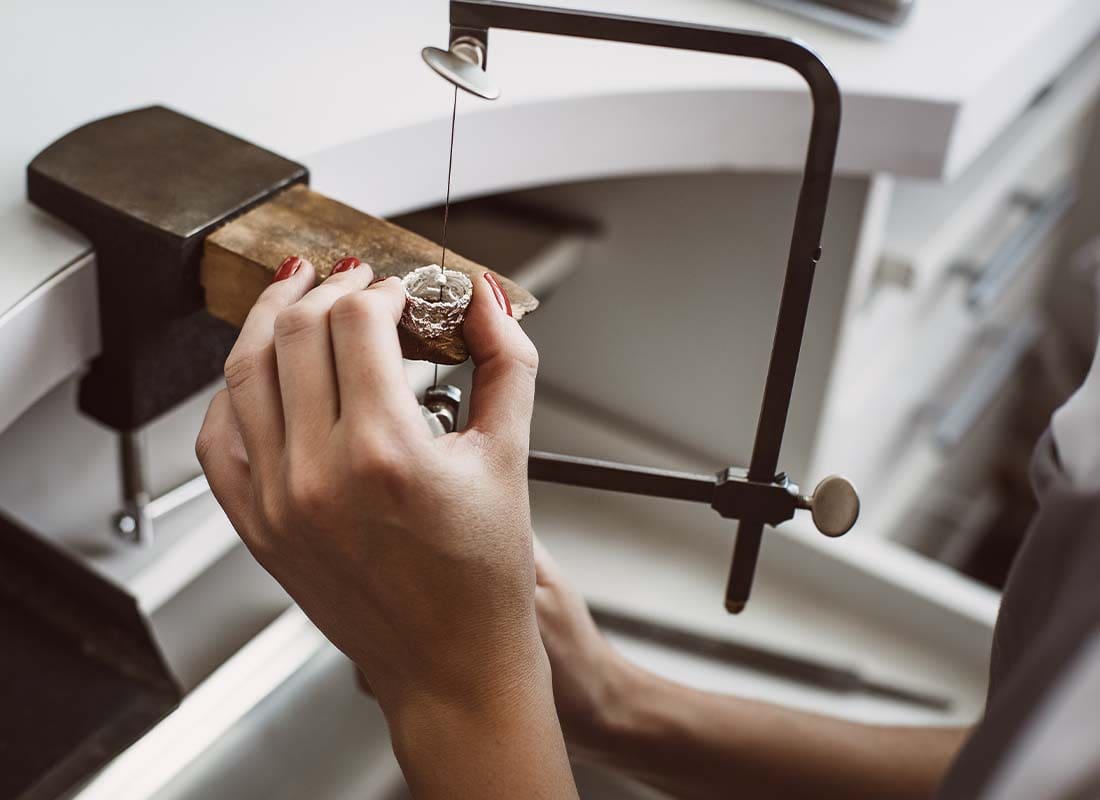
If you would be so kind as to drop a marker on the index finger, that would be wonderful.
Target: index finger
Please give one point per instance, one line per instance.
(370, 369)
(251, 375)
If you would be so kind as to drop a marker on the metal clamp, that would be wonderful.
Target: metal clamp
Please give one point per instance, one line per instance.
(834, 502)
(475, 18)
(463, 64)
(135, 523)
(440, 407)
(989, 282)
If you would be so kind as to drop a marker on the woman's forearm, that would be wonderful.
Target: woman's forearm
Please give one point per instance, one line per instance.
(697, 744)
(504, 744)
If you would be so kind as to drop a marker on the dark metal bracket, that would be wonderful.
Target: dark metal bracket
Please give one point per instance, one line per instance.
(730, 492)
(81, 674)
(755, 498)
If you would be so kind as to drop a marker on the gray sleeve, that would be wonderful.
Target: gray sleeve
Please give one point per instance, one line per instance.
(1055, 757)
(1075, 428)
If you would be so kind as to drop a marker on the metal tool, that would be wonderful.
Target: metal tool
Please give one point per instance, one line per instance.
(760, 495)
(441, 403)
(831, 677)
(464, 66)
(446, 217)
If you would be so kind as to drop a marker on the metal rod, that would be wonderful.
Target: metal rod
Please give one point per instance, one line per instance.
(592, 473)
(730, 493)
(174, 498)
(134, 523)
(140, 510)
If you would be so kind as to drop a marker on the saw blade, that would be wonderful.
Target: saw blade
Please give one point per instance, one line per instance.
(446, 213)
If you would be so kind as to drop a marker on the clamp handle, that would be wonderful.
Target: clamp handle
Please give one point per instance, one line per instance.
(834, 505)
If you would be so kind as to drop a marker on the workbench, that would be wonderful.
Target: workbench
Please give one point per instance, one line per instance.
(687, 164)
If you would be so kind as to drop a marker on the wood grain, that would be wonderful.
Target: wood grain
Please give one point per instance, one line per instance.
(240, 258)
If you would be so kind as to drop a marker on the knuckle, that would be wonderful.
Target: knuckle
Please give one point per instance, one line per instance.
(205, 444)
(526, 358)
(384, 465)
(268, 303)
(307, 493)
(521, 365)
(270, 507)
(210, 432)
(258, 541)
(295, 322)
(355, 306)
(239, 369)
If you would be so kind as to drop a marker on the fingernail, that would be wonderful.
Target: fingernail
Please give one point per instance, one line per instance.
(345, 264)
(499, 293)
(377, 279)
(290, 265)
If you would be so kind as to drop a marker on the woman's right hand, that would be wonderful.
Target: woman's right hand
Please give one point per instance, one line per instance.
(590, 677)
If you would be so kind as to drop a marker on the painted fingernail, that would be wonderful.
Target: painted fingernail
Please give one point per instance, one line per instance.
(377, 279)
(345, 264)
(499, 293)
(290, 265)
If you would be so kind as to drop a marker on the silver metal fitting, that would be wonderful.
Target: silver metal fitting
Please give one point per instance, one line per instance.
(469, 49)
(443, 402)
(834, 505)
(463, 64)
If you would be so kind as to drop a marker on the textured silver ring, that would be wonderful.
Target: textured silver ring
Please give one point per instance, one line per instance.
(435, 301)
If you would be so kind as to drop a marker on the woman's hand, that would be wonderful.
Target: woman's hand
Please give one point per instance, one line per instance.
(589, 675)
(411, 553)
(591, 678)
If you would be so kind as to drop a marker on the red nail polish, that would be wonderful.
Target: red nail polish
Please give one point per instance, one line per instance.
(377, 279)
(290, 265)
(499, 293)
(345, 264)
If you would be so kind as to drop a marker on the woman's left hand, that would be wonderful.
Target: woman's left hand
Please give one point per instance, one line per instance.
(411, 553)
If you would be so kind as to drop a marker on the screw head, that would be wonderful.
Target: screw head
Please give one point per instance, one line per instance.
(126, 526)
(834, 506)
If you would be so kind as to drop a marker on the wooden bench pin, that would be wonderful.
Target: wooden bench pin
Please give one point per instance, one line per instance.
(239, 259)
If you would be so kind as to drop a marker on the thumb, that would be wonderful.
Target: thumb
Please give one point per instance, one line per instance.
(505, 365)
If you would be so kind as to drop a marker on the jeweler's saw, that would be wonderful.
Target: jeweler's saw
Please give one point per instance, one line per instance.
(760, 495)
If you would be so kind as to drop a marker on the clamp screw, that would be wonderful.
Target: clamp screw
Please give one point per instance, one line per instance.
(834, 505)
(443, 401)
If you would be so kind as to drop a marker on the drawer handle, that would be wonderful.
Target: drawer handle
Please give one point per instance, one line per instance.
(987, 384)
(989, 282)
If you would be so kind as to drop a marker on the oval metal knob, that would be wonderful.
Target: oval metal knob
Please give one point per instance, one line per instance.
(462, 65)
(834, 505)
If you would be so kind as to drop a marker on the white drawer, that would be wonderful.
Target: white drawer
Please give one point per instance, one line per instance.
(907, 385)
(1004, 208)
(951, 440)
(930, 225)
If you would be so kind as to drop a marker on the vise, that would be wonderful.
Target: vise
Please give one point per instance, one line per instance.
(189, 224)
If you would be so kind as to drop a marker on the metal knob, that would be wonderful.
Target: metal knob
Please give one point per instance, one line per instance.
(834, 505)
(463, 65)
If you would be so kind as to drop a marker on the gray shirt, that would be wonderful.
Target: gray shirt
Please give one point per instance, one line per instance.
(1039, 738)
